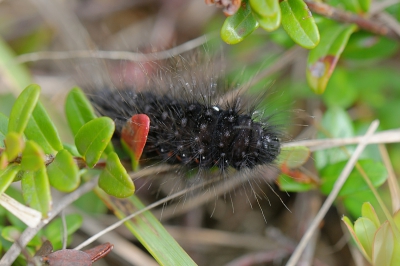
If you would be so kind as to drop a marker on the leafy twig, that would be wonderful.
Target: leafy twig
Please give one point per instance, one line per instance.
(29, 233)
(348, 17)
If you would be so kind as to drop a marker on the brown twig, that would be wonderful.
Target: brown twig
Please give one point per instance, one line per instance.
(348, 17)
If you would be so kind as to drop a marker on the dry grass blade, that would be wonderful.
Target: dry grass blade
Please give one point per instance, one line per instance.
(332, 196)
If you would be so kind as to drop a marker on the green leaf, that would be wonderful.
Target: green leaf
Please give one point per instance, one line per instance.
(396, 254)
(357, 6)
(368, 211)
(32, 157)
(3, 129)
(383, 246)
(365, 5)
(15, 74)
(23, 108)
(115, 180)
(299, 23)
(11, 233)
(336, 123)
(14, 145)
(78, 110)
(350, 227)
(365, 231)
(63, 172)
(93, 137)
(365, 46)
(54, 231)
(149, 231)
(323, 59)
(41, 129)
(289, 184)
(337, 95)
(353, 203)
(90, 204)
(396, 219)
(376, 172)
(294, 157)
(7, 176)
(36, 190)
(268, 13)
(240, 25)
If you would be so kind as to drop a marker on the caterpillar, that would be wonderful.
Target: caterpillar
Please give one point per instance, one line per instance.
(187, 126)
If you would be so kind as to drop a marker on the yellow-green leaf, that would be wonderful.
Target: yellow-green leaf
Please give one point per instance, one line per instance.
(382, 250)
(368, 211)
(350, 227)
(294, 157)
(365, 230)
(14, 145)
(33, 157)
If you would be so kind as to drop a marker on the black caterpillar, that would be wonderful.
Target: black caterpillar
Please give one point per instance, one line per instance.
(194, 132)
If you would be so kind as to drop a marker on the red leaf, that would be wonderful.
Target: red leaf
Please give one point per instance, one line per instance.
(68, 257)
(135, 132)
(99, 251)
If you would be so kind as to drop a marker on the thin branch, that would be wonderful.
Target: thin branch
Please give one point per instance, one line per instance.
(115, 55)
(392, 180)
(29, 233)
(388, 136)
(344, 16)
(332, 196)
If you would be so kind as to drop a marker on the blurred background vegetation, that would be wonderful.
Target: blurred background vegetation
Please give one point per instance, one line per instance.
(364, 86)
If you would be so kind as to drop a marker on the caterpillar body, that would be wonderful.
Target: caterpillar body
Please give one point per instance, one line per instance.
(194, 132)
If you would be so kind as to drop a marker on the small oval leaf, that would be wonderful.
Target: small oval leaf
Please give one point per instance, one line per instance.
(294, 157)
(23, 108)
(376, 172)
(36, 190)
(67, 257)
(41, 129)
(350, 227)
(115, 180)
(14, 145)
(323, 59)
(7, 176)
(268, 13)
(368, 211)
(290, 184)
(33, 157)
(93, 137)
(299, 23)
(365, 230)
(78, 110)
(134, 136)
(382, 250)
(63, 172)
(239, 26)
